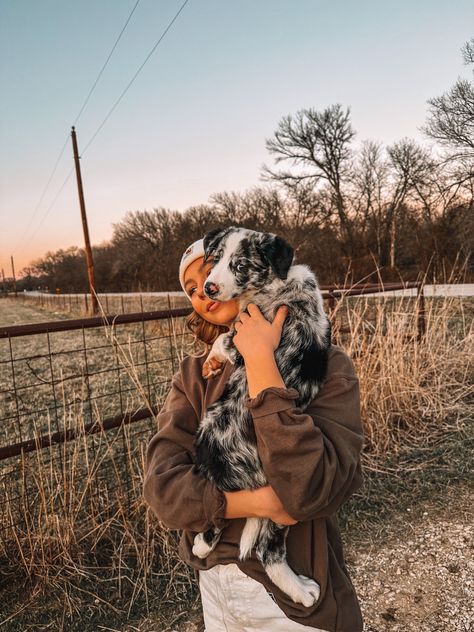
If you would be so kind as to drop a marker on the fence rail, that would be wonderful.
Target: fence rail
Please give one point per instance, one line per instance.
(16, 331)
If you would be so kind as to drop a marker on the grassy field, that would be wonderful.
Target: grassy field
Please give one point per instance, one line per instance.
(50, 380)
(85, 548)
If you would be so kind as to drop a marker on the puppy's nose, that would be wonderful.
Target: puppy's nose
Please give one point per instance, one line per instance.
(211, 289)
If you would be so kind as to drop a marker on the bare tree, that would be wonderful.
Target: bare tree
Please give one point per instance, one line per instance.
(258, 208)
(294, 213)
(451, 123)
(153, 228)
(411, 168)
(451, 116)
(370, 180)
(317, 146)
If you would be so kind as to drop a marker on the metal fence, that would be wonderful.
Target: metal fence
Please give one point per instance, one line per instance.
(62, 384)
(116, 303)
(71, 388)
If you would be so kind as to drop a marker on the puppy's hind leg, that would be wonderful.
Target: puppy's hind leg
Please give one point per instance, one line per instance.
(271, 551)
(249, 536)
(206, 542)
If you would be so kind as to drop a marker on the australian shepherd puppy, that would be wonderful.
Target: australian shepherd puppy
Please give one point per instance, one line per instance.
(258, 268)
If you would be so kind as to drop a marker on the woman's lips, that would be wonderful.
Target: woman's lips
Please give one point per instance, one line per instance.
(213, 306)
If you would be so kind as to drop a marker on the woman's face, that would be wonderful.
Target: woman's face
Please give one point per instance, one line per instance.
(195, 276)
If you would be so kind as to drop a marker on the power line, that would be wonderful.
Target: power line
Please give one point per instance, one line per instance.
(49, 208)
(25, 232)
(170, 24)
(134, 77)
(106, 62)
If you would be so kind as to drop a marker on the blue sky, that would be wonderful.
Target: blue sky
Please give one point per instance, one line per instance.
(195, 121)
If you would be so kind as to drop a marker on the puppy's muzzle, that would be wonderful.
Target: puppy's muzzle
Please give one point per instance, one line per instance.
(211, 289)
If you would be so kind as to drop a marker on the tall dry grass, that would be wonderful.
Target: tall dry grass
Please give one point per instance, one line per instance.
(83, 536)
(413, 389)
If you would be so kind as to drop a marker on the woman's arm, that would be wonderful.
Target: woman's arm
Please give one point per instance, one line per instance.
(262, 372)
(312, 458)
(177, 494)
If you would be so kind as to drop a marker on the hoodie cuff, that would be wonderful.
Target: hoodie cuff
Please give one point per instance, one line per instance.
(271, 400)
(214, 505)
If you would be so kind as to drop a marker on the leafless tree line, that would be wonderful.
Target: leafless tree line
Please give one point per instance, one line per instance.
(362, 211)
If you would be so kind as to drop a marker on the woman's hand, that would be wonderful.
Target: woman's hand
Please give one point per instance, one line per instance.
(256, 503)
(256, 336)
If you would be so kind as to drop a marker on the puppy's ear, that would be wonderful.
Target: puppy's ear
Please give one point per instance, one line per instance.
(278, 253)
(211, 241)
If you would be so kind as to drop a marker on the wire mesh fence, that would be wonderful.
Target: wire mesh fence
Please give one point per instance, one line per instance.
(81, 392)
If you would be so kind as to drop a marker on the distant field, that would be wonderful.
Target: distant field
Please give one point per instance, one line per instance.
(14, 313)
(78, 305)
(91, 374)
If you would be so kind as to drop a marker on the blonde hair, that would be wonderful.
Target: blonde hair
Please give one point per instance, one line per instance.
(204, 331)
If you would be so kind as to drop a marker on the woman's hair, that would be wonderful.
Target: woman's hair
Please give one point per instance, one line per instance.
(204, 331)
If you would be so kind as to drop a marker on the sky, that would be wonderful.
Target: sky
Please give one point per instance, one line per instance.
(195, 120)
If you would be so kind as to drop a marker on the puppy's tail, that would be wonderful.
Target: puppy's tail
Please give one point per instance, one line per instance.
(249, 536)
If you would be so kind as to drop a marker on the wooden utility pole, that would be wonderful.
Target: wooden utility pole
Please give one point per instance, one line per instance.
(13, 274)
(4, 284)
(90, 262)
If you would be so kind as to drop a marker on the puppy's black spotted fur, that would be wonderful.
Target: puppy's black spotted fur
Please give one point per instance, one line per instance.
(258, 268)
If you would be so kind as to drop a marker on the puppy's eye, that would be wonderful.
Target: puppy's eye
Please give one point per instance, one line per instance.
(239, 267)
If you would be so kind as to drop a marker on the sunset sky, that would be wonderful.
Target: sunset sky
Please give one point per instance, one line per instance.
(195, 120)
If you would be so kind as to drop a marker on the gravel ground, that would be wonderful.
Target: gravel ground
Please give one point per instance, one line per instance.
(422, 581)
(419, 579)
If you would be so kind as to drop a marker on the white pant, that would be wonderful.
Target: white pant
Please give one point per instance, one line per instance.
(234, 602)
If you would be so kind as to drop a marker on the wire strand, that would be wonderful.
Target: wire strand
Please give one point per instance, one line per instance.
(28, 226)
(30, 222)
(49, 208)
(106, 62)
(134, 77)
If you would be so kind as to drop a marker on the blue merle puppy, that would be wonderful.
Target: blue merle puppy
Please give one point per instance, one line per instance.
(258, 268)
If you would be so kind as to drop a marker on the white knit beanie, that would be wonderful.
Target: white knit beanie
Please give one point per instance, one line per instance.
(192, 252)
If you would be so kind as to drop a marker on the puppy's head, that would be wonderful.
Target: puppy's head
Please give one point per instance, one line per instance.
(244, 261)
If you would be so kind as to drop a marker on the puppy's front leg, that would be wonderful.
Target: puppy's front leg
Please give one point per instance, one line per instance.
(220, 352)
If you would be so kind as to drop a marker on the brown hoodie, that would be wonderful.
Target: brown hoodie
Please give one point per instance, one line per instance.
(310, 458)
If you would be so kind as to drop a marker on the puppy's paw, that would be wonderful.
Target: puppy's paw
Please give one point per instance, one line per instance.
(211, 368)
(200, 548)
(309, 591)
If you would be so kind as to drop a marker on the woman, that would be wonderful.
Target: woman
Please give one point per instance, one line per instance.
(311, 460)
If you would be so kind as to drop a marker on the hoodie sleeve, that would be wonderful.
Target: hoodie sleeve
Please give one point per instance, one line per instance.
(177, 494)
(310, 458)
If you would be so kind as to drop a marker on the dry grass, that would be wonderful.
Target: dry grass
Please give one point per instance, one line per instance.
(412, 391)
(86, 548)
